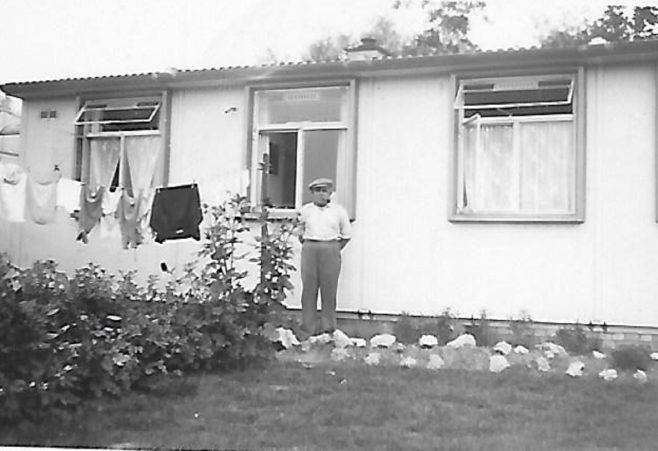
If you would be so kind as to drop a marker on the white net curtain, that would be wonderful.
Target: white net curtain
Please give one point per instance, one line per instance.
(520, 167)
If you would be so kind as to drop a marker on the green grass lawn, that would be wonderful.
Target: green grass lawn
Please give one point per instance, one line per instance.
(351, 406)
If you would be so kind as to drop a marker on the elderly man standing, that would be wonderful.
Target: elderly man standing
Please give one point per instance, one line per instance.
(324, 232)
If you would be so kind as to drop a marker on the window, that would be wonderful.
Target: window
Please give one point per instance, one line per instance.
(303, 134)
(122, 144)
(518, 151)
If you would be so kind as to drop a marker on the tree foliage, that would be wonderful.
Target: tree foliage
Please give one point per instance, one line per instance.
(331, 48)
(448, 26)
(617, 24)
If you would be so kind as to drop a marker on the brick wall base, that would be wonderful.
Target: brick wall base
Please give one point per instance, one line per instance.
(611, 336)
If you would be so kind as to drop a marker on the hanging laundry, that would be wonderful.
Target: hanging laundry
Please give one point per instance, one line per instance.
(176, 213)
(104, 156)
(42, 200)
(109, 226)
(13, 181)
(142, 155)
(68, 194)
(145, 209)
(90, 210)
(128, 216)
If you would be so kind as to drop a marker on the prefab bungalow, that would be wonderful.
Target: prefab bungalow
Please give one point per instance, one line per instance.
(510, 181)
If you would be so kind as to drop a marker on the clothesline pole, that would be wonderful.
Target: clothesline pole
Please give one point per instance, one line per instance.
(265, 168)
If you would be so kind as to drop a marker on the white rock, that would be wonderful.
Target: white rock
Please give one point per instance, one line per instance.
(542, 364)
(321, 339)
(575, 369)
(521, 350)
(359, 342)
(306, 346)
(552, 347)
(286, 337)
(461, 341)
(498, 363)
(339, 354)
(654, 356)
(408, 362)
(640, 376)
(608, 375)
(382, 341)
(549, 354)
(503, 347)
(435, 362)
(341, 340)
(428, 341)
(598, 355)
(373, 358)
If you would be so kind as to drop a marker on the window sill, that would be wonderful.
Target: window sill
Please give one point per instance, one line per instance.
(514, 219)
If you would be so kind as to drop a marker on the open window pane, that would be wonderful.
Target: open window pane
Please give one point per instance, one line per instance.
(119, 116)
(320, 158)
(282, 173)
(516, 97)
(299, 105)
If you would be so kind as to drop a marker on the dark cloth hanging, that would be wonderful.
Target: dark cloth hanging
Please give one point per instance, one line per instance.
(176, 213)
(90, 210)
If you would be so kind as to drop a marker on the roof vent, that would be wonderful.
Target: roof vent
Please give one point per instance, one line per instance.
(367, 50)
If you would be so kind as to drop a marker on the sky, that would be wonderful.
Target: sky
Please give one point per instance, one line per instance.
(52, 39)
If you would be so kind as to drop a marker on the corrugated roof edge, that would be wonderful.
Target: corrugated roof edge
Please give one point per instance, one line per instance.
(626, 49)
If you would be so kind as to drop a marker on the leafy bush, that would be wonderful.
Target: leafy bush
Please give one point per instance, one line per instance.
(481, 329)
(445, 326)
(631, 358)
(523, 332)
(576, 341)
(405, 330)
(64, 340)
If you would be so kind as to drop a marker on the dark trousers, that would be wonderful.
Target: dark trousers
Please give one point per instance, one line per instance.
(320, 270)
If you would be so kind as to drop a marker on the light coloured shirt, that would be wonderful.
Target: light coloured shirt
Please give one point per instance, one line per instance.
(327, 223)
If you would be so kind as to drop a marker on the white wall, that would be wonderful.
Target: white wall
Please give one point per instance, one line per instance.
(405, 255)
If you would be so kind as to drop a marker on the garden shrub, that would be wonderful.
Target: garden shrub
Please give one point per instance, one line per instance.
(631, 358)
(64, 340)
(405, 330)
(445, 326)
(523, 332)
(481, 329)
(576, 341)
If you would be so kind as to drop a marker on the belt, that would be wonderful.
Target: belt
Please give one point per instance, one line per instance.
(320, 241)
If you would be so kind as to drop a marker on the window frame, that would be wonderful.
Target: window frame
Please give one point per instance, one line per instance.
(85, 131)
(134, 105)
(577, 95)
(346, 157)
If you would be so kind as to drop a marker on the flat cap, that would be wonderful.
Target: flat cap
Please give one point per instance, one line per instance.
(317, 183)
